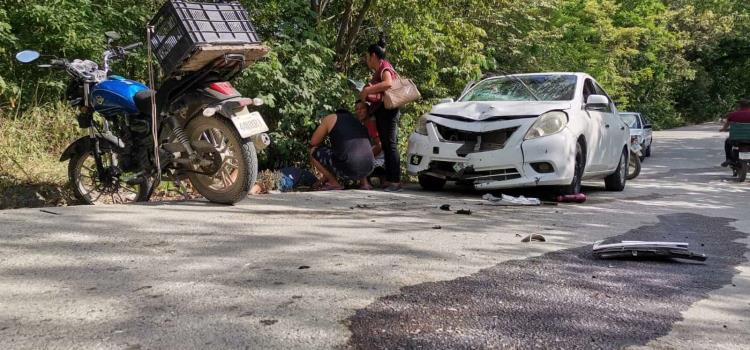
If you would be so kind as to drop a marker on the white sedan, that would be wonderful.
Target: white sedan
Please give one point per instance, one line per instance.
(525, 130)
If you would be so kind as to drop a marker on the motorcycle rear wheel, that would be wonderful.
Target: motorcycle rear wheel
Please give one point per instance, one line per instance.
(742, 171)
(238, 168)
(89, 188)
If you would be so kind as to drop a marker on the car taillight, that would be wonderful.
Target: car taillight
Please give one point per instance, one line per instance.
(224, 88)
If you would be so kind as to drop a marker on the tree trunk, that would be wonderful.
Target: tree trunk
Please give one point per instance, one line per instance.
(348, 32)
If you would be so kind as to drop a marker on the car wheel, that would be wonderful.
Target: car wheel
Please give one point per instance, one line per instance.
(742, 172)
(431, 183)
(580, 165)
(616, 181)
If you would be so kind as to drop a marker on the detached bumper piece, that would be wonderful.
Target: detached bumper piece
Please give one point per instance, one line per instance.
(645, 250)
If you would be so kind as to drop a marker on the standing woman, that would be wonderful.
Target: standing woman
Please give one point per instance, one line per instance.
(387, 119)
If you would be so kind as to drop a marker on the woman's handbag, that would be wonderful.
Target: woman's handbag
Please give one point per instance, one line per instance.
(403, 92)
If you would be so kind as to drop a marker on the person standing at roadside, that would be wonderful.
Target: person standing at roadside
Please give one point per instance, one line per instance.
(387, 120)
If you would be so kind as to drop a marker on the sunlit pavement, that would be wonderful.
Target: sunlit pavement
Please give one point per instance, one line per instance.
(290, 271)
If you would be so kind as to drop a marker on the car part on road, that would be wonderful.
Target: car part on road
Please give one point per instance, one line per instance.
(463, 212)
(534, 238)
(445, 207)
(511, 201)
(645, 250)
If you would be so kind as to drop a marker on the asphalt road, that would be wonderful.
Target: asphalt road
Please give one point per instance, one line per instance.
(370, 270)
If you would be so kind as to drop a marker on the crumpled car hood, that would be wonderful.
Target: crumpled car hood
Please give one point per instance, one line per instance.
(487, 110)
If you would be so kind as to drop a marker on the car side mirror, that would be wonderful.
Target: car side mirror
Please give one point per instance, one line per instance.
(27, 56)
(597, 102)
(446, 100)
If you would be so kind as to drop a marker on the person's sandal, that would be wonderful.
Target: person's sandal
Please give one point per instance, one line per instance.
(393, 188)
(329, 187)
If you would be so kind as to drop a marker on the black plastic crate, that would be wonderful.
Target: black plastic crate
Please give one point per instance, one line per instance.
(181, 27)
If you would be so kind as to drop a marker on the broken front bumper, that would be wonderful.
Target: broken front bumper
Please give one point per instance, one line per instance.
(547, 161)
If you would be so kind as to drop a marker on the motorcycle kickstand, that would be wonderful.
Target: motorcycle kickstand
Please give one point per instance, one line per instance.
(182, 189)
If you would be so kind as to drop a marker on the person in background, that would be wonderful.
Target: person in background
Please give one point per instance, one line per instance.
(741, 115)
(350, 156)
(387, 120)
(363, 114)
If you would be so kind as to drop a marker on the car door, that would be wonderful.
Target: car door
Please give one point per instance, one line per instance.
(613, 133)
(596, 146)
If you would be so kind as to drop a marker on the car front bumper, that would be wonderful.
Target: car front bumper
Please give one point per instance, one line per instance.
(509, 167)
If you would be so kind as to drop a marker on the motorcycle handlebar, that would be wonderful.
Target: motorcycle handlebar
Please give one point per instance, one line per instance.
(59, 62)
(132, 46)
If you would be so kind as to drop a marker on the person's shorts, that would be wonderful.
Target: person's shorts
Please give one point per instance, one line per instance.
(324, 156)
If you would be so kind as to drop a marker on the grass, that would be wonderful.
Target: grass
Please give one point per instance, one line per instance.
(30, 147)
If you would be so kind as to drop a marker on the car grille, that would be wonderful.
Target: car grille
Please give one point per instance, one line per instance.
(474, 142)
(468, 174)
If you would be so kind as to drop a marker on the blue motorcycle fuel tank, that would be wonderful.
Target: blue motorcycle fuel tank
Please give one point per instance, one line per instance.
(115, 96)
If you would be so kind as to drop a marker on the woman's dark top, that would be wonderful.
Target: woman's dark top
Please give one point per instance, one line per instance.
(351, 146)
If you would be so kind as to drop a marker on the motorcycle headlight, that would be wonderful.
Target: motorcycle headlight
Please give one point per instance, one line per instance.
(422, 125)
(549, 123)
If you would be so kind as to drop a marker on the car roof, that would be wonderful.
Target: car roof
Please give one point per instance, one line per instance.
(578, 74)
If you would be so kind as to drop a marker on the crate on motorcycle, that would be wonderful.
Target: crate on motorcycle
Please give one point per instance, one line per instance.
(739, 132)
(188, 35)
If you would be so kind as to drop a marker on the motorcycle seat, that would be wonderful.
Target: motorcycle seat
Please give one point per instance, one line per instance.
(143, 101)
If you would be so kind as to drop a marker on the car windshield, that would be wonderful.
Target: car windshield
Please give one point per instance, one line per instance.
(631, 120)
(548, 87)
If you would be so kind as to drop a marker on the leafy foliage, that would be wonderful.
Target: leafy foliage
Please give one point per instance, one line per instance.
(677, 61)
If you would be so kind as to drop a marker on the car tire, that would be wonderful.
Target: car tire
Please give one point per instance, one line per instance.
(616, 182)
(742, 172)
(647, 152)
(431, 183)
(580, 165)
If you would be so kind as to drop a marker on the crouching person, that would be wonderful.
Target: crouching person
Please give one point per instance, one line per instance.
(350, 155)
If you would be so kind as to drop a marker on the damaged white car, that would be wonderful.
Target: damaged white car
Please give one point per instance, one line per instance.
(544, 129)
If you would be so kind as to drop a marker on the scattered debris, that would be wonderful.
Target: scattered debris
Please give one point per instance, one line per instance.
(142, 288)
(437, 227)
(518, 235)
(247, 314)
(642, 249)
(303, 267)
(573, 198)
(534, 238)
(296, 297)
(49, 212)
(463, 212)
(511, 201)
(268, 322)
(445, 207)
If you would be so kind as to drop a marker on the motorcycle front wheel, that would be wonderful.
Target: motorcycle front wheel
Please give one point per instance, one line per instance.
(233, 161)
(93, 188)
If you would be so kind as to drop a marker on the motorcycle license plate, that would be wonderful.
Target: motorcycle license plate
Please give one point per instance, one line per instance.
(745, 155)
(249, 124)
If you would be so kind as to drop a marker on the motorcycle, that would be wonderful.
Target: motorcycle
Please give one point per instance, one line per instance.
(740, 136)
(634, 161)
(204, 130)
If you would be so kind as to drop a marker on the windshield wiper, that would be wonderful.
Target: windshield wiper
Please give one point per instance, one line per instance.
(528, 88)
(531, 91)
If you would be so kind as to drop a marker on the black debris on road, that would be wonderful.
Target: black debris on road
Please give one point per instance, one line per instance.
(564, 299)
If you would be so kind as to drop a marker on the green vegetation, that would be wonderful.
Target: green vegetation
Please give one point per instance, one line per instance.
(677, 61)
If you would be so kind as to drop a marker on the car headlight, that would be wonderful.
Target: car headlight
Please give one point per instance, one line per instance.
(422, 125)
(549, 123)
